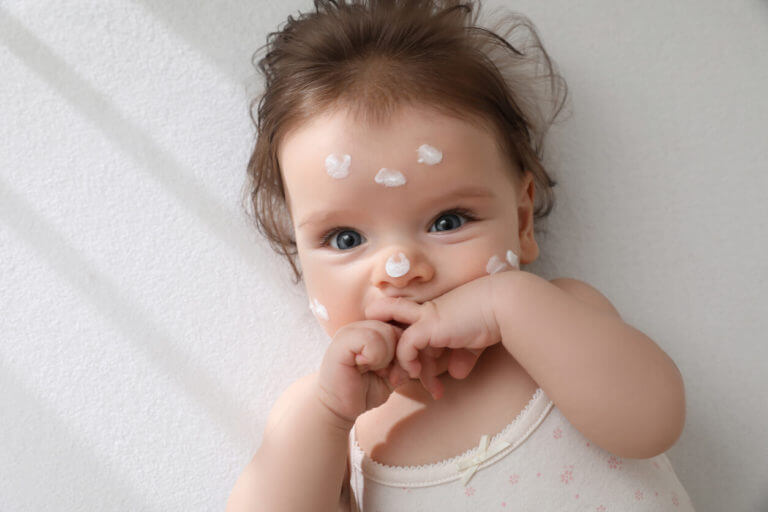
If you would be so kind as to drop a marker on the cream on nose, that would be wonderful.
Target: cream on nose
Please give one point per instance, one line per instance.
(397, 267)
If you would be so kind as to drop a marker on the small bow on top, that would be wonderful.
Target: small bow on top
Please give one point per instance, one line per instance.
(471, 464)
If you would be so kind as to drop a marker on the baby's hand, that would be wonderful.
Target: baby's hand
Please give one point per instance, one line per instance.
(461, 319)
(359, 371)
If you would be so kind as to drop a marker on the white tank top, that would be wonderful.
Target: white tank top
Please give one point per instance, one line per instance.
(539, 462)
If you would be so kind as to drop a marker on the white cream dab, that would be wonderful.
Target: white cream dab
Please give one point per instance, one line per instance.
(429, 155)
(397, 268)
(495, 264)
(318, 309)
(337, 166)
(389, 178)
(513, 259)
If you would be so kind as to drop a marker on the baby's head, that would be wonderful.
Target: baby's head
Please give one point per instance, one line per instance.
(399, 151)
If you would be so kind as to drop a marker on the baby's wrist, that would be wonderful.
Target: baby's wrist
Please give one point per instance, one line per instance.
(505, 291)
(322, 408)
(490, 304)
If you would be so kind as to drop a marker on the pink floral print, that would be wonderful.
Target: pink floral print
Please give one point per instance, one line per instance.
(567, 475)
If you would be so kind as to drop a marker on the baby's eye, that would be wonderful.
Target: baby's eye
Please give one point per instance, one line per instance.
(345, 239)
(448, 222)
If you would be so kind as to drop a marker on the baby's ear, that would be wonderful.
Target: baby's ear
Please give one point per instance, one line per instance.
(529, 248)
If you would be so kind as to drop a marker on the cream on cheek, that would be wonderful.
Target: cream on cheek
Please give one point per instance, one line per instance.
(318, 309)
(496, 264)
(513, 259)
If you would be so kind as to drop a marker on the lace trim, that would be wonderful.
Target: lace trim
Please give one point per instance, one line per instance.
(449, 465)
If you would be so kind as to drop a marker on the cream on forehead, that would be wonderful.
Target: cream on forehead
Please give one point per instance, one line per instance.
(337, 166)
(397, 268)
(429, 155)
(389, 178)
(318, 309)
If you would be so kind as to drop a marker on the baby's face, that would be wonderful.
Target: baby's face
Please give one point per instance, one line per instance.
(411, 208)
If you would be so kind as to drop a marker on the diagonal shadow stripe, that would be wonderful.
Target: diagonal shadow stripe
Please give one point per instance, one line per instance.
(228, 42)
(64, 489)
(121, 310)
(128, 137)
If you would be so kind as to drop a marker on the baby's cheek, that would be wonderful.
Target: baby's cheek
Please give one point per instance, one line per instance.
(502, 260)
(334, 310)
(319, 309)
(325, 313)
(339, 316)
(488, 257)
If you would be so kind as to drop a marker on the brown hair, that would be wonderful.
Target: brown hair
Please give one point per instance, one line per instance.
(371, 56)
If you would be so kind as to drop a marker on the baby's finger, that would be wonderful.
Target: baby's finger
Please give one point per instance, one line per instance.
(397, 375)
(408, 347)
(369, 347)
(389, 308)
(462, 361)
(429, 378)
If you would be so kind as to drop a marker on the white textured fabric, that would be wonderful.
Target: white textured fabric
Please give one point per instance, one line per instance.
(541, 463)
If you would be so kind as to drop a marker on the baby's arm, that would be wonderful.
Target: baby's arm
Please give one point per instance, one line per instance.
(301, 463)
(612, 382)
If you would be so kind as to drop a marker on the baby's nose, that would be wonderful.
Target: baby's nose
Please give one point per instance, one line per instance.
(400, 266)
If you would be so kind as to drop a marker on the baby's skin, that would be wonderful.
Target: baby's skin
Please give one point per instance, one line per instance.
(410, 235)
(453, 206)
(457, 202)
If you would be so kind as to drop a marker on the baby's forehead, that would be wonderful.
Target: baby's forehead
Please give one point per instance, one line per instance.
(405, 125)
(417, 155)
(411, 138)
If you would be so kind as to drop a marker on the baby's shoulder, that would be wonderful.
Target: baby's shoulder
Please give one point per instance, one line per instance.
(300, 386)
(585, 293)
(297, 389)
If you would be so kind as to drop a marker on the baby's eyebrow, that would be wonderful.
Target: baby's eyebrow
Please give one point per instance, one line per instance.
(467, 191)
(323, 216)
(464, 192)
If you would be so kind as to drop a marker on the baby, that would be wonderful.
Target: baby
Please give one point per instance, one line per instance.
(398, 169)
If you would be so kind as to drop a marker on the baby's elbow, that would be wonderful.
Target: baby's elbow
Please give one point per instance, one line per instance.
(675, 420)
(651, 446)
(665, 427)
